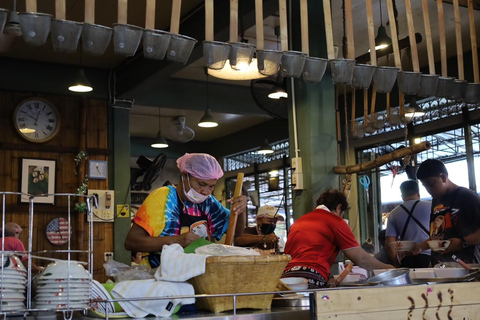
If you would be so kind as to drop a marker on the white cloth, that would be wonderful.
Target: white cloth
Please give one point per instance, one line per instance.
(151, 288)
(176, 265)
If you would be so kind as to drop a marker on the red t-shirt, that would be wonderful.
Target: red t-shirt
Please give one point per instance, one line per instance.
(14, 244)
(316, 238)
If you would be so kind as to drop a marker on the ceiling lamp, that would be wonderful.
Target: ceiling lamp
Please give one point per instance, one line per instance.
(382, 40)
(81, 84)
(207, 120)
(413, 109)
(160, 142)
(278, 93)
(265, 148)
(243, 72)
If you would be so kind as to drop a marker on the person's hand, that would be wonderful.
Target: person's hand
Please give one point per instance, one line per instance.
(454, 245)
(186, 238)
(272, 237)
(239, 204)
(416, 250)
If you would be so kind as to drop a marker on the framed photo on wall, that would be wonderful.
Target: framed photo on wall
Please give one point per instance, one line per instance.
(37, 179)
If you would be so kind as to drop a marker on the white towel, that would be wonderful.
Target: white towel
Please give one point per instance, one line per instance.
(176, 265)
(151, 288)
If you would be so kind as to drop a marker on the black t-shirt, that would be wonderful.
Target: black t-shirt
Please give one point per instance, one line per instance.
(455, 215)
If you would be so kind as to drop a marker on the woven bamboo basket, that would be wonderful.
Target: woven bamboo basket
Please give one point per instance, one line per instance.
(239, 274)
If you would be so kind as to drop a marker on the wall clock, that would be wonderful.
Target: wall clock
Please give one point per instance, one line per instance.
(58, 232)
(97, 169)
(36, 120)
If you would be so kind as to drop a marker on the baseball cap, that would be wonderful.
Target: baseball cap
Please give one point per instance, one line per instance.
(269, 212)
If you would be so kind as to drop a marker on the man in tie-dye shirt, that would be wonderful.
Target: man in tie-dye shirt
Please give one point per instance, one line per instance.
(183, 213)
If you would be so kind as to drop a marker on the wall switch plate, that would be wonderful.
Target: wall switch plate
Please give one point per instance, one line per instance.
(108, 256)
(105, 211)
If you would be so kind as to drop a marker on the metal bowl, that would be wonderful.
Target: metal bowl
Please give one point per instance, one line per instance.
(395, 277)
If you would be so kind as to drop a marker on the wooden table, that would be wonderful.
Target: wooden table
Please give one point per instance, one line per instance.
(427, 301)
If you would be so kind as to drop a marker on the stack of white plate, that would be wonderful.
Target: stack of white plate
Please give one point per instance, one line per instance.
(13, 281)
(100, 293)
(63, 285)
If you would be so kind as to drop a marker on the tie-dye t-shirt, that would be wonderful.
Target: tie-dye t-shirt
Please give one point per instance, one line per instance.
(163, 214)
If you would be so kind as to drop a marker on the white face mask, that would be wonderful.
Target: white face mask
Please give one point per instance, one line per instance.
(193, 195)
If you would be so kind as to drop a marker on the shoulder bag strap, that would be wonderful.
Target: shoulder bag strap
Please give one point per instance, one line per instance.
(409, 216)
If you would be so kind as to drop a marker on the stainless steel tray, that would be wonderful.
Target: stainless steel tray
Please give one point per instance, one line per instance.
(291, 300)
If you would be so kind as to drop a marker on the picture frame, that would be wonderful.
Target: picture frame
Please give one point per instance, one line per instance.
(37, 178)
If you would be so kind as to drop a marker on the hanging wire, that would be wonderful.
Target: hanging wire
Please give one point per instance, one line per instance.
(344, 39)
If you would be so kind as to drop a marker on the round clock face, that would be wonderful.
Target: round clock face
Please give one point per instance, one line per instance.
(36, 120)
(58, 232)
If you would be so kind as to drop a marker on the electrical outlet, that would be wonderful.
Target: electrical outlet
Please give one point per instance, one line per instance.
(297, 164)
(108, 256)
(106, 210)
(123, 210)
(297, 180)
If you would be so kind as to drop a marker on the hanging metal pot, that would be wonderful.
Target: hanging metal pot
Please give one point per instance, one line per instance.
(268, 61)
(126, 38)
(444, 87)
(241, 55)
(384, 78)
(314, 69)
(180, 48)
(35, 27)
(428, 85)
(458, 89)
(341, 71)
(65, 35)
(472, 93)
(95, 38)
(216, 54)
(293, 63)
(3, 19)
(362, 76)
(408, 82)
(155, 43)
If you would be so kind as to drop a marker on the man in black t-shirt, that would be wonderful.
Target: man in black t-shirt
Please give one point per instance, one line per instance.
(455, 214)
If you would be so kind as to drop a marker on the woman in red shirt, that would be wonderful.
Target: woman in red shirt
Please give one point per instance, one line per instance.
(316, 238)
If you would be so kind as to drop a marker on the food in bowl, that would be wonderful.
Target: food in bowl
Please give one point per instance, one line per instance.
(296, 283)
(402, 246)
(438, 245)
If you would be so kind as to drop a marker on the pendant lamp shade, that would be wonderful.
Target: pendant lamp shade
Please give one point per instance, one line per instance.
(265, 148)
(207, 120)
(80, 83)
(160, 142)
(382, 40)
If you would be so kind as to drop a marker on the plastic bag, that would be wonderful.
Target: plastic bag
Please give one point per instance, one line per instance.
(224, 250)
(122, 272)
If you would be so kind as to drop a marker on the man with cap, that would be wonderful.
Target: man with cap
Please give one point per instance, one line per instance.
(262, 237)
(186, 212)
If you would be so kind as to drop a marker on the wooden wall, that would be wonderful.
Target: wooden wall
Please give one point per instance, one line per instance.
(84, 126)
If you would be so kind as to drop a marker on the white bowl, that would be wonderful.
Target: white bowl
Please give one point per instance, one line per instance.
(438, 245)
(63, 269)
(13, 263)
(402, 246)
(296, 283)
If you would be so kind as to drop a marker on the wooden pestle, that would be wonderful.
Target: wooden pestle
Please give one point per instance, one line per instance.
(31, 5)
(349, 27)
(411, 34)
(428, 36)
(122, 11)
(60, 11)
(233, 21)
(175, 18)
(304, 26)
(371, 33)
(90, 11)
(282, 7)
(458, 37)
(329, 29)
(473, 39)
(259, 24)
(150, 14)
(441, 30)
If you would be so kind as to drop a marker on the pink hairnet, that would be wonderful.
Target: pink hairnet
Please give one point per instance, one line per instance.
(200, 165)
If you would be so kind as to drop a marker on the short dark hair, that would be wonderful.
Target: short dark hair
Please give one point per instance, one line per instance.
(332, 198)
(431, 168)
(409, 188)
